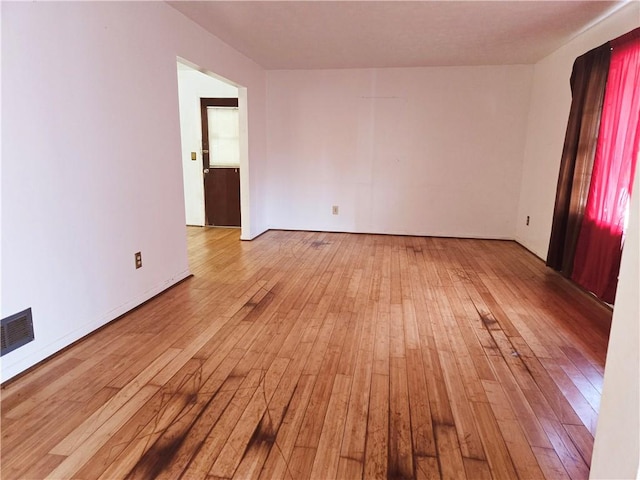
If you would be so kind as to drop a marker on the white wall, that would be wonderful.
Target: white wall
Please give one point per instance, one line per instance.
(423, 151)
(193, 85)
(616, 450)
(547, 124)
(91, 169)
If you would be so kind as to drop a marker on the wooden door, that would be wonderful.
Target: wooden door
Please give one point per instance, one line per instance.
(222, 197)
(221, 178)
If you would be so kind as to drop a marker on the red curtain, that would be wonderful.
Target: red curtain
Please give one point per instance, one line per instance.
(599, 247)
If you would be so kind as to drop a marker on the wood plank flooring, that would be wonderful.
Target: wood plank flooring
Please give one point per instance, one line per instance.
(318, 355)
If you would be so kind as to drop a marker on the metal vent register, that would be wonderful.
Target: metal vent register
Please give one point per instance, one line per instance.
(16, 330)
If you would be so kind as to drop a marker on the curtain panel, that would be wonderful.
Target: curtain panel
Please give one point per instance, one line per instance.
(599, 158)
(599, 247)
(588, 80)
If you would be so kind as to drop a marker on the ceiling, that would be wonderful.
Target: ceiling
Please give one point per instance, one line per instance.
(366, 34)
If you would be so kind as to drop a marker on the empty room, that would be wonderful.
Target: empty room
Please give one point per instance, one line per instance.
(320, 239)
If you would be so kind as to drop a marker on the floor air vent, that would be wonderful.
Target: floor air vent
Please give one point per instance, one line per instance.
(16, 330)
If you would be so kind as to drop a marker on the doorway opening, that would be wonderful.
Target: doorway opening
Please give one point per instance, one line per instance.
(226, 177)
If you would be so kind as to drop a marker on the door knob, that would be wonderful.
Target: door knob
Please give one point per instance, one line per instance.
(206, 170)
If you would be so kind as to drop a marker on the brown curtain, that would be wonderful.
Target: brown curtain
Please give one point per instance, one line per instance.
(588, 81)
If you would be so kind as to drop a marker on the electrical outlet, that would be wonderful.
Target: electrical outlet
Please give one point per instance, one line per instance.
(527, 219)
(138, 257)
(335, 210)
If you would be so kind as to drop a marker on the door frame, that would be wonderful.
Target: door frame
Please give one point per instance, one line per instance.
(204, 126)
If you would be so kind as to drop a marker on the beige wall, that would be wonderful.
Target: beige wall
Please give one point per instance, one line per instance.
(91, 161)
(616, 453)
(420, 151)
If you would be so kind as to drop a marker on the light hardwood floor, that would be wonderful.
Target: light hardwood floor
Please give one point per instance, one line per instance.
(315, 355)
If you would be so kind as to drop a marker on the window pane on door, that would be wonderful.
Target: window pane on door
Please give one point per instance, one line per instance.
(224, 132)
